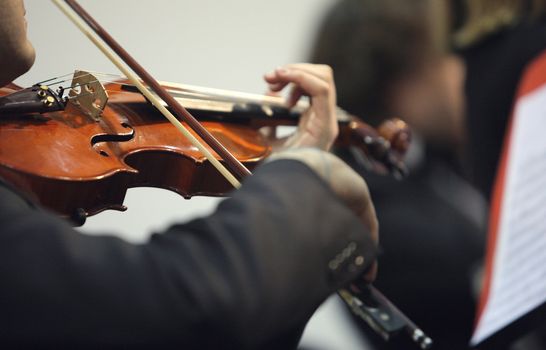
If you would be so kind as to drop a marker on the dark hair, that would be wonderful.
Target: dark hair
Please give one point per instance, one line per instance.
(370, 44)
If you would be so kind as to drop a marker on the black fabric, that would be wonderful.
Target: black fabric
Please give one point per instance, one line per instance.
(494, 68)
(430, 250)
(249, 275)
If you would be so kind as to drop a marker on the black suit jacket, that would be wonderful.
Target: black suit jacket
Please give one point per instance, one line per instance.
(494, 69)
(249, 275)
(431, 247)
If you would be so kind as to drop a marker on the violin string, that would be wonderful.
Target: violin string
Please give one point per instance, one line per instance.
(107, 74)
(63, 80)
(51, 79)
(91, 82)
(58, 80)
(52, 82)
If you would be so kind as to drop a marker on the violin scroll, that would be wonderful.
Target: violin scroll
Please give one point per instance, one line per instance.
(398, 133)
(382, 149)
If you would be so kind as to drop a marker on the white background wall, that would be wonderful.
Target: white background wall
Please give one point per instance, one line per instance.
(224, 44)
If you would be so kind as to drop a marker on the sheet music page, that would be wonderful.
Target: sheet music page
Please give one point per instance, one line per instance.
(517, 276)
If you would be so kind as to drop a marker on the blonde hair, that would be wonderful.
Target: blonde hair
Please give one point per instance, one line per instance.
(485, 17)
(439, 24)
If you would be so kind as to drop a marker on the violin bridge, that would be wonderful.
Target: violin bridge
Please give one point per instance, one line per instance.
(88, 94)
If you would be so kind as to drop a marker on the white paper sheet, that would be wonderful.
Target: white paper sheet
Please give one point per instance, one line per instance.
(518, 274)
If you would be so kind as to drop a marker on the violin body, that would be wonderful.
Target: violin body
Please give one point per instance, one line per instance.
(78, 166)
(80, 157)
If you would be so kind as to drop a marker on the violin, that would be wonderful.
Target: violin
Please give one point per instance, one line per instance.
(89, 147)
(77, 154)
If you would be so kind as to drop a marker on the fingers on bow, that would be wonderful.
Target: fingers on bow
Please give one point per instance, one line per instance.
(312, 80)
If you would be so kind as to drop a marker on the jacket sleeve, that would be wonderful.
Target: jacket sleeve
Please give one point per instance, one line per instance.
(253, 270)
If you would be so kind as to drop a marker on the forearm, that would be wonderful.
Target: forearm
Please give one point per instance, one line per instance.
(253, 270)
(272, 265)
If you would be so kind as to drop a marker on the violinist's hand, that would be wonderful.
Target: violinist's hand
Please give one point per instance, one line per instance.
(346, 184)
(318, 125)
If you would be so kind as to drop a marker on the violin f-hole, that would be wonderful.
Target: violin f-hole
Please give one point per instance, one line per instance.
(97, 140)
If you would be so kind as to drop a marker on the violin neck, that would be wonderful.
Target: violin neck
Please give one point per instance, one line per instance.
(235, 106)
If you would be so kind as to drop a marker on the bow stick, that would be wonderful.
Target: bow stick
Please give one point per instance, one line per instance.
(231, 162)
